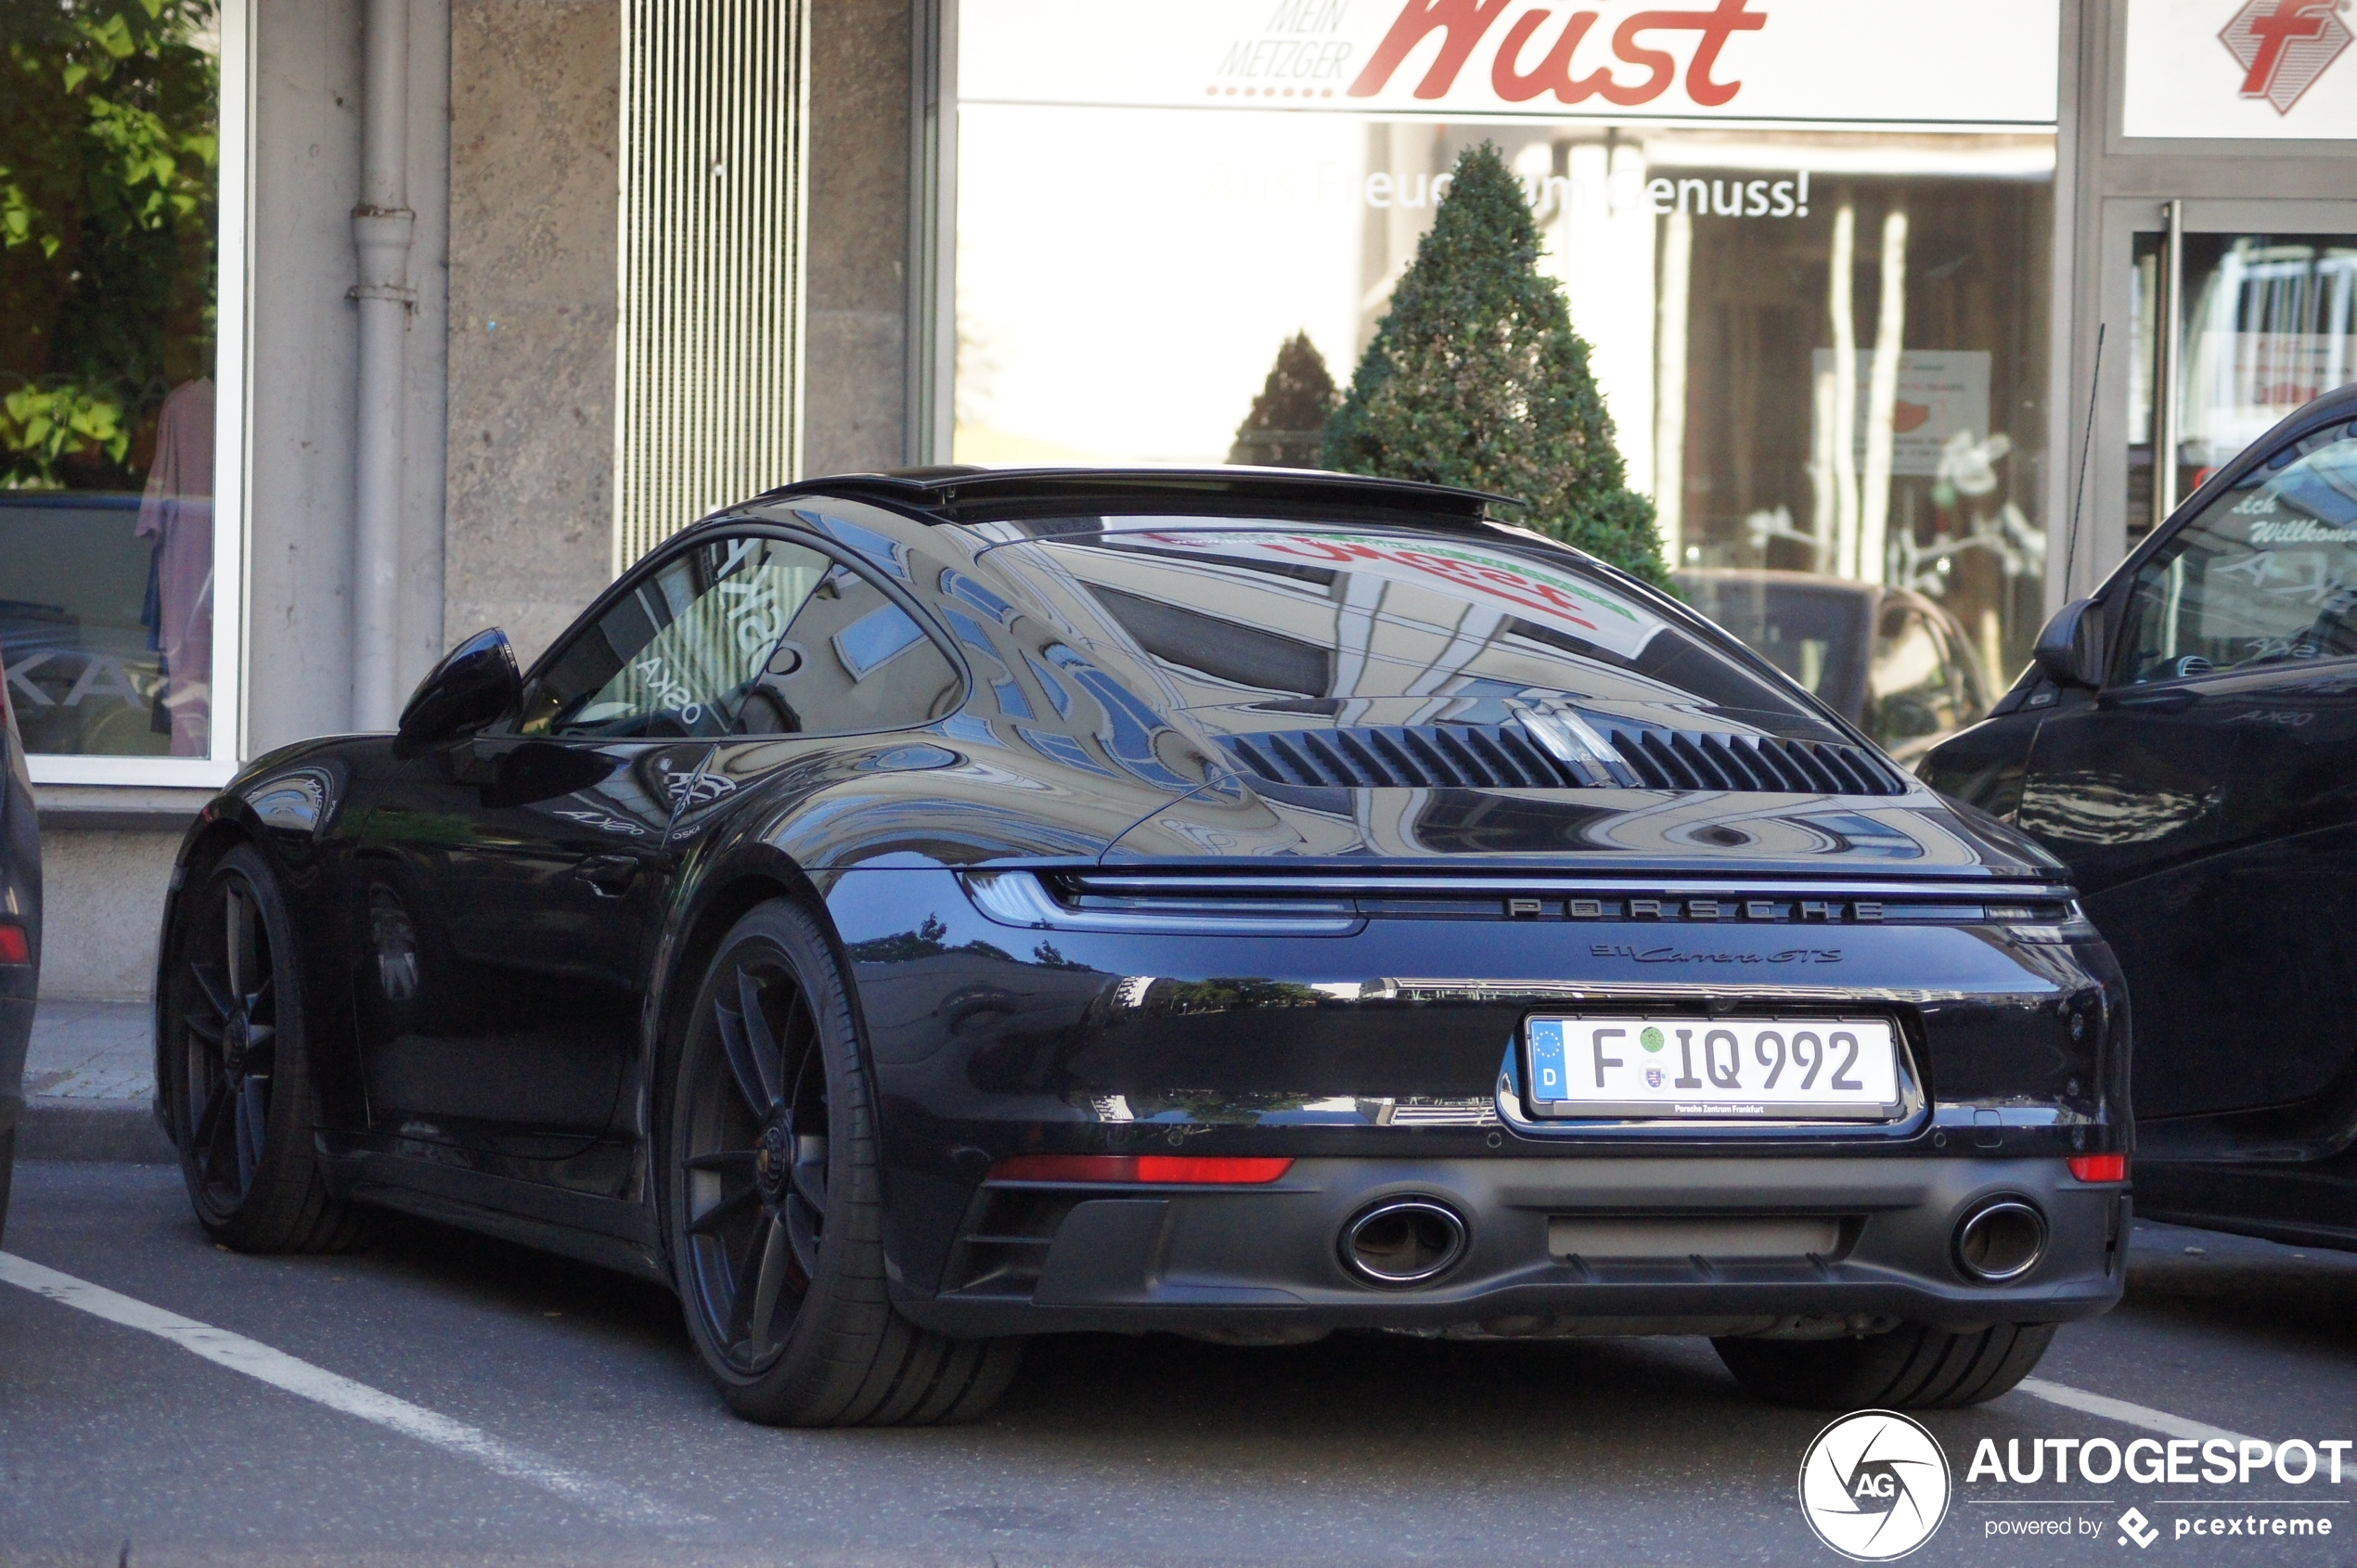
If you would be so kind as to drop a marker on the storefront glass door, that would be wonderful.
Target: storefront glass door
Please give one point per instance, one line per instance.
(2264, 301)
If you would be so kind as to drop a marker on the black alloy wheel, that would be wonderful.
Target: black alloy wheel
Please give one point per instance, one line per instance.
(231, 1027)
(239, 1091)
(774, 1205)
(754, 1157)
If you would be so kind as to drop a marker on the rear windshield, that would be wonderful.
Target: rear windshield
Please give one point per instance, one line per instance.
(1382, 625)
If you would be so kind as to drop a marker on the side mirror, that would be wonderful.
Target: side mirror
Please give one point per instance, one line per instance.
(2071, 649)
(475, 682)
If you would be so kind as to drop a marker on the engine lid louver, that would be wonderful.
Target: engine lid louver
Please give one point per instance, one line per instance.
(1430, 756)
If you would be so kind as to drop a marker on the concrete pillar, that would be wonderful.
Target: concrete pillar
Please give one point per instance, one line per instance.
(534, 105)
(855, 384)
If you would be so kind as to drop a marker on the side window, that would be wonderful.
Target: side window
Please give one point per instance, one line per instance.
(2267, 573)
(851, 661)
(680, 653)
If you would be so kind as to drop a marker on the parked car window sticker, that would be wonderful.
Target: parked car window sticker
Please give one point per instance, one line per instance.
(2267, 573)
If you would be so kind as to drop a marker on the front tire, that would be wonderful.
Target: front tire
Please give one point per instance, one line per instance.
(1915, 1367)
(237, 1076)
(775, 1203)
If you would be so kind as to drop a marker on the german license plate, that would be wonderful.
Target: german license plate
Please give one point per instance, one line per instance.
(1715, 1070)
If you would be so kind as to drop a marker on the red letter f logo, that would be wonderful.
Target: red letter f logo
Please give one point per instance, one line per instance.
(2284, 45)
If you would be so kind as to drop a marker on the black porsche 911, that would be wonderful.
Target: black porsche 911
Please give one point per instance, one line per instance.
(907, 914)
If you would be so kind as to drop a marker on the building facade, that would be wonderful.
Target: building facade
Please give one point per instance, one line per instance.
(337, 329)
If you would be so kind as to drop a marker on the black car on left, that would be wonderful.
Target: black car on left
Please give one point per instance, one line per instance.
(20, 929)
(907, 914)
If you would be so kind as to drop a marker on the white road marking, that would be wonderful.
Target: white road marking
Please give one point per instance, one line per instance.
(2123, 1412)
(338, 1393)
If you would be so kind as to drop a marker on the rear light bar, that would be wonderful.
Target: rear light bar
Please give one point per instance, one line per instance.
(2099, 1167)
(1181, 1169)
(14, 947)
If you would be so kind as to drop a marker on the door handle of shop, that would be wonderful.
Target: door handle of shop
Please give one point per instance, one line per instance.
(608, 876)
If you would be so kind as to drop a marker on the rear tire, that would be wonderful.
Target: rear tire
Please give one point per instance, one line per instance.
(238, 1077)
(774, 1203)
(1915, 1367)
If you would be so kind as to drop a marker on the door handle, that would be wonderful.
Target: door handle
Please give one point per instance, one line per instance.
(608, 876)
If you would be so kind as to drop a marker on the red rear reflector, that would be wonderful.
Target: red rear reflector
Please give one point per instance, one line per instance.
(13, 948)
(2099, 1167)
(1191, 1169)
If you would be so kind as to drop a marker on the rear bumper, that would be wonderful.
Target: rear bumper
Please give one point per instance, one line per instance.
(1243, 1260)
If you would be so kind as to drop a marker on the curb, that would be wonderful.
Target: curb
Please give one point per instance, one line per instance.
(113, 1132)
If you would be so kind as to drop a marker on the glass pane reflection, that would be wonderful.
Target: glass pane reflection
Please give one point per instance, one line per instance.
(1824, 352)
(108, 162)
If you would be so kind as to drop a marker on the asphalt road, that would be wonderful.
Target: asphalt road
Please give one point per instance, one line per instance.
(595, 1439)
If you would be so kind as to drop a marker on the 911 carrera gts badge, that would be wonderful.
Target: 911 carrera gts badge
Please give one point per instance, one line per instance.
(1688, 956)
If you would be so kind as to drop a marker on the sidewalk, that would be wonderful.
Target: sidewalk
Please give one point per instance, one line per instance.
(89, 1080)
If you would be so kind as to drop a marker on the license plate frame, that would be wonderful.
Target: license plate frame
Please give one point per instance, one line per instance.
(1689, 1082)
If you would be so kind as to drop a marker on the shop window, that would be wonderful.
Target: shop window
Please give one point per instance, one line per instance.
(1914, 685)
(1823, 343)
(110, 242)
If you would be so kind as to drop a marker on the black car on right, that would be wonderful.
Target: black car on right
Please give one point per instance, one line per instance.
(2186, 739)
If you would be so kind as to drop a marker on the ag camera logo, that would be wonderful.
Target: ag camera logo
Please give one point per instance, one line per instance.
(1874, 1485)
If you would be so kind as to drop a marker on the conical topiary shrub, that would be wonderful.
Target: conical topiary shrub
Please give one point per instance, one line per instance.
(1475, 379)
(1287, 425)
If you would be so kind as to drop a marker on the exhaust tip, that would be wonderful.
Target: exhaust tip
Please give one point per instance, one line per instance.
(1403, 1242)
(2000, 1240)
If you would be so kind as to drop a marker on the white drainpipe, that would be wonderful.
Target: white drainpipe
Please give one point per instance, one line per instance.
(380, 233)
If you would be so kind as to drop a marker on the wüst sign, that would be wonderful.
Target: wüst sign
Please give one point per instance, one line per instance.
(1930, 63)
(1462, 24)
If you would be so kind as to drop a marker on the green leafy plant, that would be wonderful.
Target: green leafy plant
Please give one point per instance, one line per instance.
(1475, 379)
(1287, 425)
(108, 152)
